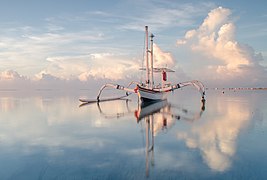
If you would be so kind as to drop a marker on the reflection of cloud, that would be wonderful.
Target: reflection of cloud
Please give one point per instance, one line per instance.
(7, 104)
(216, 139)
(162, 123)
(51, 123)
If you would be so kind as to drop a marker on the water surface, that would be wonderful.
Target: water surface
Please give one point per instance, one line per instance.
(47, 135)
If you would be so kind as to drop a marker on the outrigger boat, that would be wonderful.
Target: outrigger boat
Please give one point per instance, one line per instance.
(148, 91)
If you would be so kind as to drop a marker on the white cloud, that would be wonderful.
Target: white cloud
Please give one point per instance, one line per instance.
(62, 70)
(101, 66)
(228, 60)
(215, 19)
(110, 66)
(65, 67)
(10, 79)
(61, 53)
(28, 49)
(11, 75)
(79, 67)
(161, 58)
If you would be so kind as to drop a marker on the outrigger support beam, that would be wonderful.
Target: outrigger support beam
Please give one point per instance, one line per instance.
(115, 86)
(197, 84)
(133, 82)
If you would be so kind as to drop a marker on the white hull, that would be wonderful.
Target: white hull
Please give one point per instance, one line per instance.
(151, 95)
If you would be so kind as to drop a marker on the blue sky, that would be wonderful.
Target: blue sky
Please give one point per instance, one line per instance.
(94, 40)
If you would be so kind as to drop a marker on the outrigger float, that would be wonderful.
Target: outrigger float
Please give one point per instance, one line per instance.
(148, 91)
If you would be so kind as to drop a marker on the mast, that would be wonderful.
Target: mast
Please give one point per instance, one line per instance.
(151, 61)
(147, 64)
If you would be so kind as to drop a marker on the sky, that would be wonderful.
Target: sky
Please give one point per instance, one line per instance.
(59, 43)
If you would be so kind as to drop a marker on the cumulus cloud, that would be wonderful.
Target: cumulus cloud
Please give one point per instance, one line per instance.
(97, 66)
(10, 79)
(110, 66)
(11, 75)
(161, 58)
(64, 67)
(94, 66)
(223, 57)
(165, 59)
(62, 70)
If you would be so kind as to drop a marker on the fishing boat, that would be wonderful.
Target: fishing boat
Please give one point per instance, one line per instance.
(148, 91)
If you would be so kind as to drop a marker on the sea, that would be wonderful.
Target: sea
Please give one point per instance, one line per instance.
(49, 134)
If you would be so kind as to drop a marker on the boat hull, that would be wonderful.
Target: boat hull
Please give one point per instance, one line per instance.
(147, 95)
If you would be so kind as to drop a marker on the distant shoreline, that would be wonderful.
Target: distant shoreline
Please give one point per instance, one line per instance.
(235, 89)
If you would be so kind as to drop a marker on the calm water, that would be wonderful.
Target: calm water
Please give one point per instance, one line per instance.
(48, 136)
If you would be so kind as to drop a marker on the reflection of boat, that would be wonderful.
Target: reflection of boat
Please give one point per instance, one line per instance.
(149, 113)
(146, 109)
(158, 116)
(88, 101)
(162, 109)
